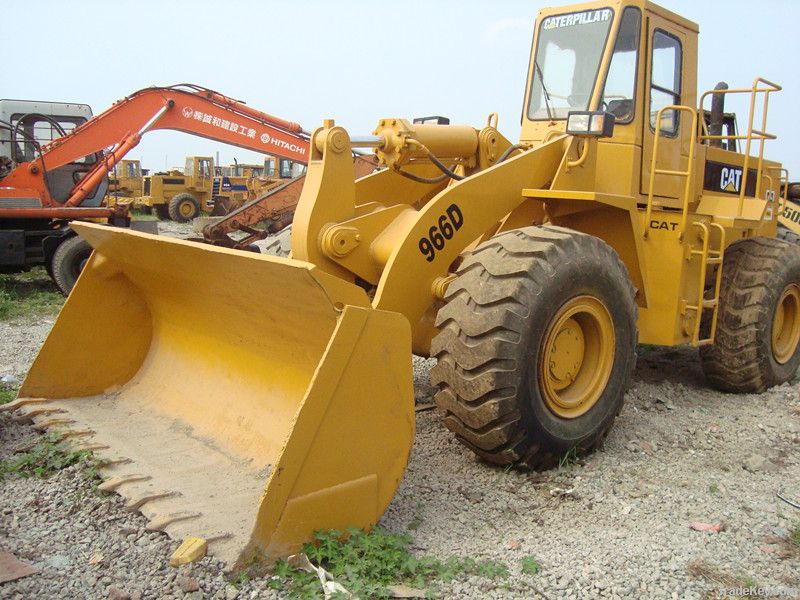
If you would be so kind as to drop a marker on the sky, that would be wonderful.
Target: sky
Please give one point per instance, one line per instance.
(355, 62)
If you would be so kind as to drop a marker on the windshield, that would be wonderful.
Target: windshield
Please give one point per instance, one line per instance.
(567, 58)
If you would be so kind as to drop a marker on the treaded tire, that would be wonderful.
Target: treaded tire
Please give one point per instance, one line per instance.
(68, 261)
(491, 331)
(794, 190)
(279, 244)
(788, 235)
(162, 211)
(755, 271)
(177, 202)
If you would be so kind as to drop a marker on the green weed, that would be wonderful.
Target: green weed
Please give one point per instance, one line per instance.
(417, 520)
(570, 458)
(713, 488)
(794, 534)
(7, 393)
(46, 457)
(366, 563)
(28, 294)
(241, 579)
(530, 566)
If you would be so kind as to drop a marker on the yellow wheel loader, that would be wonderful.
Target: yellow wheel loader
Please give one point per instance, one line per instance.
(530, 270)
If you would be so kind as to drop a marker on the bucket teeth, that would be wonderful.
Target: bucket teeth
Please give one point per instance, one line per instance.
(111, 485)
(91, 446)
(114, 461)
(45, 424)
(20, 402)
(26, 414)
(217, 536)
(160, 522)
(75, 433)
(136, 502)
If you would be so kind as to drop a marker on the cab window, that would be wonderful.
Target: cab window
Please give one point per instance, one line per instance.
(665, 80)
(620, 87)
(204, 168)
(34, 131)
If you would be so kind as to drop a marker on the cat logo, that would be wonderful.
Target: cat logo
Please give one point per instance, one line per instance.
(730, 179)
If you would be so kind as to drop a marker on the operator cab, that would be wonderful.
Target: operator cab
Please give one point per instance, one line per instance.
(26, 126)
(622, 61)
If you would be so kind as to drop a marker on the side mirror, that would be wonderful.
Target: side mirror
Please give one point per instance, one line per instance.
(595, 124)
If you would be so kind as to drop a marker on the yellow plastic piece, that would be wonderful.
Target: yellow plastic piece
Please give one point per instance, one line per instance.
(191, 550)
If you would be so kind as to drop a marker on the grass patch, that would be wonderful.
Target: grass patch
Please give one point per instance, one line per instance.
(417, 520)
(7, 393)
(28, 294)
(530, 566)
(366, 563)
(570, 459)
(48, 455)
(794, 534)
(139, 214)
(241, 579)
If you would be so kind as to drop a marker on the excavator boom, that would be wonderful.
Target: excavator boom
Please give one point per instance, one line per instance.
(275, 208)
(188, 108)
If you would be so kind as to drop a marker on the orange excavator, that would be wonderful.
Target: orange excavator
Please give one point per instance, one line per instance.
(47, 185)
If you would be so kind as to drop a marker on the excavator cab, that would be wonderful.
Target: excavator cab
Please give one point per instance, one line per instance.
(32, 125)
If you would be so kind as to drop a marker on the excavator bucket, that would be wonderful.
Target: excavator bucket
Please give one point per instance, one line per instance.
(243, 399)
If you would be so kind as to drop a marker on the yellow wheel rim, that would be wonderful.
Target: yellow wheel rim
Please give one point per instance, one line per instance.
(786, 324)
(576, 357)
(186, 209)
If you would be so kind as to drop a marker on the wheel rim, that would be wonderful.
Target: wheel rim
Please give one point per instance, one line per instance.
(576, 357)
(786, 324)
(186, 209)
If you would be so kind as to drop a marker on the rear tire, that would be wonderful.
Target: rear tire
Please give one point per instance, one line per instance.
(508, 390)
(183, 208)
(758, 326)
(793, 191)
(68, 261)
(788, 235)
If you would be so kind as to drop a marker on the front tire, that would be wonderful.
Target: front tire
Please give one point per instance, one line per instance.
(756, 344)
(68, 261)
(536, 346)
(183, 208)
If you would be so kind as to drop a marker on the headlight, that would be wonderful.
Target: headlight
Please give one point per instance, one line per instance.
(598, 124)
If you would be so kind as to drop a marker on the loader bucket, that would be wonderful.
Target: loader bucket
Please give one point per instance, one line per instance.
(244, 399)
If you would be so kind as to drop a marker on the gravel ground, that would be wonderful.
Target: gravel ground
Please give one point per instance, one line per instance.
(615, 525)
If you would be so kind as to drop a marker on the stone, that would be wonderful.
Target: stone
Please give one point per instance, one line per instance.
(114, 593)
(187, 584)
(754, 463)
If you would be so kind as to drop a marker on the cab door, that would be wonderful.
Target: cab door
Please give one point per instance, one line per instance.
(664, 86)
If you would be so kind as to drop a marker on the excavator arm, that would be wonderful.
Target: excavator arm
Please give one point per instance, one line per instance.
(275, 207)
(189, 108)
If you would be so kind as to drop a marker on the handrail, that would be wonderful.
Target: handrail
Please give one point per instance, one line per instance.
(759, 135)
(687, 188)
